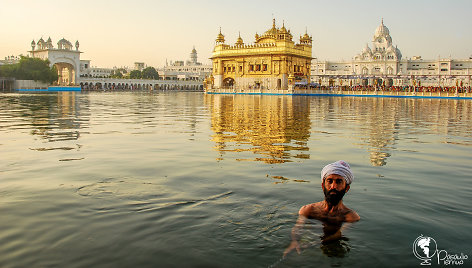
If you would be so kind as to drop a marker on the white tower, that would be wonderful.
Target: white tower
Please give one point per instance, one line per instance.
(193, 56)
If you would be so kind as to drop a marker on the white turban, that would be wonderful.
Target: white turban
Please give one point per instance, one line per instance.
(340, 168)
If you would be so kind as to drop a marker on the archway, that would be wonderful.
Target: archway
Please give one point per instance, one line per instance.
(228, 82)
(66, 73)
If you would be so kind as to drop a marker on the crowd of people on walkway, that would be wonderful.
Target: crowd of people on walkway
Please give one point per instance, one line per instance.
(434, 89)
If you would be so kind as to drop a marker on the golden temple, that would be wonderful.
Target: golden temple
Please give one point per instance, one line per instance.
(273, 62)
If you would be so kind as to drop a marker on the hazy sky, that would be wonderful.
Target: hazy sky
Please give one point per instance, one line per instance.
(118, 33)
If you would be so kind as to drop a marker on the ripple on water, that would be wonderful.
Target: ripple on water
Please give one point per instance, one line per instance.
(143, 196)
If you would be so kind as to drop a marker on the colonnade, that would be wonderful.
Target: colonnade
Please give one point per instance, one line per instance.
(139, 84)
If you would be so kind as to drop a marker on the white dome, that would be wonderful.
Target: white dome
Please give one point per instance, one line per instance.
(399, 53)
(382, 30)
(64, 44)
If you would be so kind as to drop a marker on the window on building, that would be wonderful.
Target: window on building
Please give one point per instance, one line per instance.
(240, 69)
(264, 67)
(251, 67)
(258, 67)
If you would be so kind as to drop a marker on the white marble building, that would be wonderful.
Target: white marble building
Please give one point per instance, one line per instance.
(190, 70)
(383, 65)
(87, 70)
(64, 57)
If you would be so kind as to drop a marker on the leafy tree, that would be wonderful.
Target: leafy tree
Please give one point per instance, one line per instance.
(135, 74)
(150, 73)
(122, 70)
(116, 74)
(30, 69)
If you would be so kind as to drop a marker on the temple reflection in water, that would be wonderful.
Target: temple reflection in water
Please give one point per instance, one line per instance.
(274, 128)
(282, 128)
(55, 117)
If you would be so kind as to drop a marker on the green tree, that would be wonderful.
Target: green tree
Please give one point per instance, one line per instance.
(150, 73)
(135, 74)
(30, 69)
(116, 74)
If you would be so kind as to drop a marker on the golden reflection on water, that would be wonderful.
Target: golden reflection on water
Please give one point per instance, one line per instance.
(274, 128)
(270, 129)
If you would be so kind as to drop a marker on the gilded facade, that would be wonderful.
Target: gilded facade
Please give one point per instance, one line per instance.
(272, 62)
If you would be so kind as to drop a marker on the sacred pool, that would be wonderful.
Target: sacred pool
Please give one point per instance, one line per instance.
(185, 179)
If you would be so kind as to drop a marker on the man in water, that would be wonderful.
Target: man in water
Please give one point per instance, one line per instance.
(336, 179)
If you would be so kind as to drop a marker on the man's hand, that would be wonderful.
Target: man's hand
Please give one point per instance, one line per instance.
(293, 245)
(332, 237)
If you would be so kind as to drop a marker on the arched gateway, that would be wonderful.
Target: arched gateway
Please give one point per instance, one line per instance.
(64, 58)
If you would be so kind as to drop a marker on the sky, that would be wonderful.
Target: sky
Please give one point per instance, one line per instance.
(119, 33)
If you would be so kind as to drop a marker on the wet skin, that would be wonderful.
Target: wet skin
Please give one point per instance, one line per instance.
(332, 215)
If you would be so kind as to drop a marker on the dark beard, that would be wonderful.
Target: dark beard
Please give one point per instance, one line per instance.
(333, 199)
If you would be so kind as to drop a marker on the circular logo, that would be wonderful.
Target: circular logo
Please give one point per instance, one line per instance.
(425, 248)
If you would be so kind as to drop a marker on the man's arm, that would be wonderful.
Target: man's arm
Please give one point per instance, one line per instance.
(349, 218)
(296, 230)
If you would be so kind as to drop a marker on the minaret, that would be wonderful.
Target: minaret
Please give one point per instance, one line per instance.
(220, 39)
(33, 45)
(193, 56)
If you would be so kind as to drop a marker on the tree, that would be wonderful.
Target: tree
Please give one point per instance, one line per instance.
(116, 74)
(135, 74)
(150, 73)
(30, 69)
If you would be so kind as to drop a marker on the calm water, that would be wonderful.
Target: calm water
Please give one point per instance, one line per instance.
(194, 180)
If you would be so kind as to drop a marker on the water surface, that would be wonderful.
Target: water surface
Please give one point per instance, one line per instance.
(173, 179)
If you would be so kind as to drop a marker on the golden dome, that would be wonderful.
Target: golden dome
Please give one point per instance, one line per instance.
(220, 38)
(240, 40)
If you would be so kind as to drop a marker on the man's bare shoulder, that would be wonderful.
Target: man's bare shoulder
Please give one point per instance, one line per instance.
(308, 210)
(315, 210)
(351, 215)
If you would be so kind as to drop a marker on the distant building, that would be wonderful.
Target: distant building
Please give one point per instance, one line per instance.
(384, 65)
(139, 66)
(64, 57)
(190, 70)
(269, 63)
(10, 60)
(86, 70)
